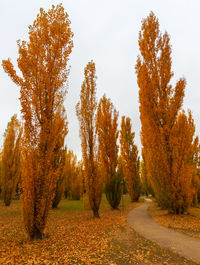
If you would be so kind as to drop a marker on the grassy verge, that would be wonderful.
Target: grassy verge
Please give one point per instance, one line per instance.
(188, 223)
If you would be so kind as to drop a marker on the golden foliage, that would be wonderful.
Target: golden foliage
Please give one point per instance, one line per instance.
(159, 107)
(11, 159)
(86, 110)
(77, 184)
(69, 171)
(73, 177)
(145, 178)
(42, 61)
(129, 158)
(183, 167)
(196, 177)
(59, 165)
(107, 131)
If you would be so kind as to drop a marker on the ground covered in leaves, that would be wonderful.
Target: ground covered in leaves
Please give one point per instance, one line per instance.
(188, 223)
(73, 236)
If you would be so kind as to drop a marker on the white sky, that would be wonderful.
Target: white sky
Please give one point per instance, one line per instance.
(107, 32)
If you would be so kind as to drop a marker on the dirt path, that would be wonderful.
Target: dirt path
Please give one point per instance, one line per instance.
(143, 224)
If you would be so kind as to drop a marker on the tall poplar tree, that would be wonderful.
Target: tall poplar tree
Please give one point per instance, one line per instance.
(184, 165)
(42, 61)
(107, 131)
(160, 104)
(11, 160)
(130, 159)
(86, 111)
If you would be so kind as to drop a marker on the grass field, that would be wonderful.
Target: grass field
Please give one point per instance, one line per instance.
(73, 236)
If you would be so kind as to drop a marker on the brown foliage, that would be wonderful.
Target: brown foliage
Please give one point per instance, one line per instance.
(130, 159)
(11, 159)
(159, 107)
(86, 110)
(42, 61)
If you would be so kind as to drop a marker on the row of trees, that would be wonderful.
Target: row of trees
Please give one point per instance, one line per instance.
(39, 157)
(99, 140)
(70, 181)
(111, 167)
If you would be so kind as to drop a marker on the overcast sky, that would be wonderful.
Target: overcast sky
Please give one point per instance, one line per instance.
(107, 32)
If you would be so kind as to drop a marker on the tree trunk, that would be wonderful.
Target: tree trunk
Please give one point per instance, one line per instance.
(37, 234)
(96, 213)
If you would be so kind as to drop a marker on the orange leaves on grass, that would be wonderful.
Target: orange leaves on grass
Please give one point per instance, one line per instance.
(186, 223)
(189, 225)
(77, 238)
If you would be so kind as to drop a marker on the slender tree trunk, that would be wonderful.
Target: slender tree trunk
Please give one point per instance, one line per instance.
(96, 213)
(37, 234)
(66, 194)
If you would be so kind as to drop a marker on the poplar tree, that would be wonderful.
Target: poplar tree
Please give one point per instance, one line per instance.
(42, 61)
(11, 160)
(86, 111)
(164, 131)
(130, 159)
(107, 131)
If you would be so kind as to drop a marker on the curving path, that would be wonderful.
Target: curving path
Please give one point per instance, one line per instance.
(144, 225)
